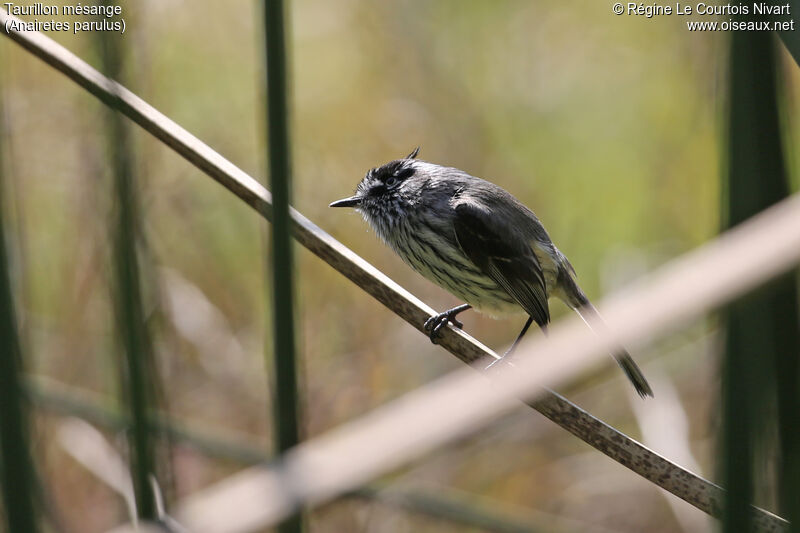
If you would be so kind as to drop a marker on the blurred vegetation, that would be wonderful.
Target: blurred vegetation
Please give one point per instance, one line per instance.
(138, 377)
(286, 414)
(17, 474)
(760, 372)
(608, 127)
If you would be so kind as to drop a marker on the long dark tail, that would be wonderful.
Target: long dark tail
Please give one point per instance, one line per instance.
(592, 318)
(634, 374)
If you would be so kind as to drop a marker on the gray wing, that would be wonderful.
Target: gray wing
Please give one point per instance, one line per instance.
(505, 258)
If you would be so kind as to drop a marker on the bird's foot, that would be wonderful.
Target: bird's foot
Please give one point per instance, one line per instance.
(435, 323)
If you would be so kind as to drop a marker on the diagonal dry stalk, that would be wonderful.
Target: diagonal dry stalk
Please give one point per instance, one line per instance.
(434, 414)
(695, 490)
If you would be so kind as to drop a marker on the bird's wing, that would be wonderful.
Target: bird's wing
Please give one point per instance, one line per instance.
(507, 261)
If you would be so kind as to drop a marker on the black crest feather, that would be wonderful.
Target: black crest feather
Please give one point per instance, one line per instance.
(413, 155)
(399, 169)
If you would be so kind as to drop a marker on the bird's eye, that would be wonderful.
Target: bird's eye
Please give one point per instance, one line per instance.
(391, 181)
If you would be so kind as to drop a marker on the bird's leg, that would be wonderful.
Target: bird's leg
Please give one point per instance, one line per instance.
(435, 323)
(522, 334)
(519, 338)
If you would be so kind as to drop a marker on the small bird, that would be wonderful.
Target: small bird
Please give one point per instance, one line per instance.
(476, 240)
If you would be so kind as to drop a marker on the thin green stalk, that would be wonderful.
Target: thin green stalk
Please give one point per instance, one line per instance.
(286, 409)
(16, 467)
(762, 335)
(136, 383)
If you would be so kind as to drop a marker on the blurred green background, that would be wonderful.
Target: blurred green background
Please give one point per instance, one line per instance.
(608, 127)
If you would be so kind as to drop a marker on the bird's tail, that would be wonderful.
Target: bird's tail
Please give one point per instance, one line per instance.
(634, 374)
(592, 318)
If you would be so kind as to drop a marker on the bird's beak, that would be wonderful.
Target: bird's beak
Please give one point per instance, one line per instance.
(353, 201)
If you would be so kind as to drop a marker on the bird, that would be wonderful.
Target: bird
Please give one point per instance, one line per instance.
(477, 241)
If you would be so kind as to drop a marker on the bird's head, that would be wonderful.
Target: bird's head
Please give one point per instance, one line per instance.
(386, 193)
